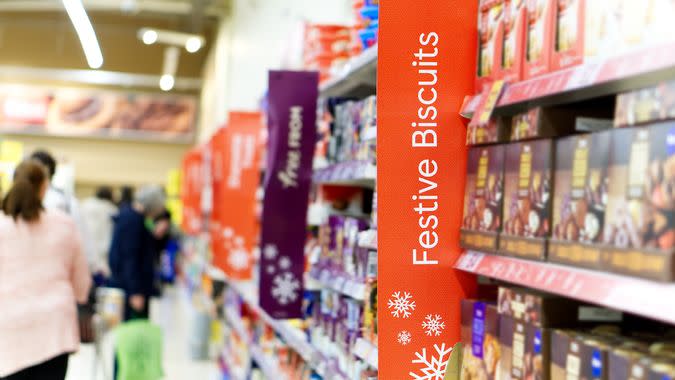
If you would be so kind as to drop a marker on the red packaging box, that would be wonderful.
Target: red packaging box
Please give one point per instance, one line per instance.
(540, 28)
(514, 42)
(569, 33)
(490, 36)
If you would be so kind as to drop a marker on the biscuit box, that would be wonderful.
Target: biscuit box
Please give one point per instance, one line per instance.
(559, 121)
(647, 105)
(533, 315)
(490, 36)
(580, 199)
(483, 198)
(628, 364)
(480, 335)
(513, 53)
(569, 34)
(527, 199)
(640, 233)
(540, 28)
(576, 356)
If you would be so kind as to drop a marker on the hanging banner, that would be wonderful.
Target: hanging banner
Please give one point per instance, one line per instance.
(426, 66)
(235, 155)
(292, 135)
(191, 189)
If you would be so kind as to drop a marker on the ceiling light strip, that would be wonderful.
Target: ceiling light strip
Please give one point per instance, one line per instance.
(85, 32)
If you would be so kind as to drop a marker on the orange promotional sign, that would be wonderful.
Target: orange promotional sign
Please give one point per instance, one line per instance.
(191, 190)
(426, 66)
(235, 154)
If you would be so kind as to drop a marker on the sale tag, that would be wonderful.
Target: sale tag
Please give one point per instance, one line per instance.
(489, 99)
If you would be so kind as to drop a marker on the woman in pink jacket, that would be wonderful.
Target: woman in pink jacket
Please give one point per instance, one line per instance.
(43, 272)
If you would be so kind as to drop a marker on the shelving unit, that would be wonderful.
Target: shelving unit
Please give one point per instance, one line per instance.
(632, 71)
(340, 283)
(357, 78)
(353, 173)
(641, 297)
(294, 337)
(366, 351)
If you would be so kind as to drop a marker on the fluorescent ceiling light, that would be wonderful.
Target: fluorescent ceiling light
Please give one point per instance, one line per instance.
(193, 44)
(85, 32)
(149, 37)
(166, 82)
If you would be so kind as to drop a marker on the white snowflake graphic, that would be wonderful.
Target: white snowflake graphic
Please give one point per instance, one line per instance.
(270, 251)
(401, 305)
(238, 259)
(270, 269)
(239, 241)
(433, 325)
(404, 337)
(228, 232)
(433, 366)
(285, 262)
(285, 288)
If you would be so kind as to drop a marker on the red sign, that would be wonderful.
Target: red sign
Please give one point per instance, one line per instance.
(426, 65)
(235, 154)
(191, 191)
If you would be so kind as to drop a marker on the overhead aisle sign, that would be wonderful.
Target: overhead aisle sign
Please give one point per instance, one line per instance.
(426, 65)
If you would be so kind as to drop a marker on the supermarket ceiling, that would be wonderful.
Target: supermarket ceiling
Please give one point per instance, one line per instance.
(39, 34)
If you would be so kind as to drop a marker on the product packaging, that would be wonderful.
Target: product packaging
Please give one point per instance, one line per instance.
(514, 44)
(643, 23)
(480, 336)
(580, 199)
(527, 199)
(640, 229)
(540, 28)
(561, 120)
(483, 198)
(525, 330)
(646, 105)
(577, 356)
(601, 30)
(569, 33)
(490, 37)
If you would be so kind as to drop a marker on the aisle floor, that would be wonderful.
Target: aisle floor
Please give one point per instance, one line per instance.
(172, 313)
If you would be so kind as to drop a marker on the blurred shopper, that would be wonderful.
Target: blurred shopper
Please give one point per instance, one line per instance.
(60, 199)
(126, 197)
(132, 251)
(161, 232)
(43, 272)
(98, 213)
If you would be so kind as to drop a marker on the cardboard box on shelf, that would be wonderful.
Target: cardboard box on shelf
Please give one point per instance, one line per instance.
(560, 120)
(580, 199)
(483, 198)
(579, 356)
(490, 37)
(514, 43)
(527, 199)
(570, 21)
(639, 234)
(647, 105)
(643, 23)
(540, 28)
(480, 334)
(525, 331)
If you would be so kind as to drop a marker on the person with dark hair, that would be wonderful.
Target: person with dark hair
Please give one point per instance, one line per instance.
(132, 251)
(43, 273)
(98, 213)
(60, 199)
(126, 197)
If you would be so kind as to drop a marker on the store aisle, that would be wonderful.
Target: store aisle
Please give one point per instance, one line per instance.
(172, 313)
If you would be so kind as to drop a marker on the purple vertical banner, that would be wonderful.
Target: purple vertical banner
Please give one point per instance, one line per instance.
(291, 120)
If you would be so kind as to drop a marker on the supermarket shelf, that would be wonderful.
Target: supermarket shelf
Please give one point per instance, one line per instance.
(294, 337)
(367, 239)
(351, 173)
(366, 351)
(357, 78)
(267, 365)
(640, 297)
(639, 69)
(342, 284)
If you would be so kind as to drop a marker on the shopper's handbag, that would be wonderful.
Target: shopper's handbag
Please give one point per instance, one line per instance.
(138, 350)
(85, 318)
